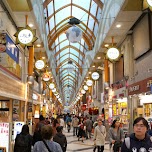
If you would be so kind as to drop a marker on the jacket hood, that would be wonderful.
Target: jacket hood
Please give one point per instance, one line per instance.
(132, 136)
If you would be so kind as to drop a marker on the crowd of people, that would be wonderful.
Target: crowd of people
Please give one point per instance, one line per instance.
(48, 135)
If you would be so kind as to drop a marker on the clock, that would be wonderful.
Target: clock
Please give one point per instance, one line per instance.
(113, 53)
(25, 36)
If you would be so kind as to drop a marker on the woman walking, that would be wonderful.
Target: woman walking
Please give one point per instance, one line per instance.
(99, 136)
(116, 135)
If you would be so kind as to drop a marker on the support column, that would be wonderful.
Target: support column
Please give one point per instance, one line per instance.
(106, 70)
(31, 61)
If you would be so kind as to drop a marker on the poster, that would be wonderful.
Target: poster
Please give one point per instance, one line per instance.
(17, 128)
(15, 110)
(4, 135)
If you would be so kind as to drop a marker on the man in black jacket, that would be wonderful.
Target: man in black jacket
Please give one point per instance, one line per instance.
(139, 141)
(60, 138)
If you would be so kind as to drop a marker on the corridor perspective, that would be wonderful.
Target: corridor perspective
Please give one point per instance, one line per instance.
(86, 64)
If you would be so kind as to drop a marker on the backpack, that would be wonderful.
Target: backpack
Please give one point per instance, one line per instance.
(22, 140)
(127, 141)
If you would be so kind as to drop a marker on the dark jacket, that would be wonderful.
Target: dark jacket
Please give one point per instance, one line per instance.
(61, 139)
(136, 144)
(23, 143)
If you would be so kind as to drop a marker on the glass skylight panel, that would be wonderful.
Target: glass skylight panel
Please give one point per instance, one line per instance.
(96, 29)
(74, 57)
(60, 3)
(83, 27)
(75, 45)
(57, 48)
(62, 37)
(64, 51)
(99, 14)
(77, 12)
(56, 41)
(51, 23)
(91, 23)
(50, 8)
(93, 8)
(57, 57)
(63, 44)
(61, 24)
(85, 5)
(82, 41)
(64, 13)
(64, 57)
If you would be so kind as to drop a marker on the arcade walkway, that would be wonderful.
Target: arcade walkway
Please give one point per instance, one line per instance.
(77, 146)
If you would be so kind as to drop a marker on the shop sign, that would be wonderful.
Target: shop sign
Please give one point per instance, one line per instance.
(134, 88)
(4, 135)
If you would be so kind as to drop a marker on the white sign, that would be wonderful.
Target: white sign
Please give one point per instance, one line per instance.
(149, 2)
(4, 135)
(17, 128)
(113, 53)
(134, 88)
(39, 64)
(25, 36)
(89, 83)
(95, 75)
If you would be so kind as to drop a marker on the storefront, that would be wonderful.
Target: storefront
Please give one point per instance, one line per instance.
(141, 98)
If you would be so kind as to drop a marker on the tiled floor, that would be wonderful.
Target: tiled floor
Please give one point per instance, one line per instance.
(77, 146)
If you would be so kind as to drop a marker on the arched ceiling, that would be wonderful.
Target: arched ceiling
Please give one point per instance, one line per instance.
(58, 13)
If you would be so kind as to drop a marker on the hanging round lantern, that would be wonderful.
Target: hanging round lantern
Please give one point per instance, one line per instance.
(51, 86)
(95, 75)
(39, 64)
(46, 76)
(113, 53)
(89, 83)
(83, 91)
(54, 90)
(74, 34)
(85, 87)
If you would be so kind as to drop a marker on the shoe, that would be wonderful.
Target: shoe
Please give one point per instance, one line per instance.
(82, 141)
(78, 139)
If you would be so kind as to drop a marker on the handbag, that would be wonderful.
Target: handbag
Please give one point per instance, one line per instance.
(46, 146)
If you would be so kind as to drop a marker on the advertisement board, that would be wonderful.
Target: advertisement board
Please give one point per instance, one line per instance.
(17, 128)
(4, 135)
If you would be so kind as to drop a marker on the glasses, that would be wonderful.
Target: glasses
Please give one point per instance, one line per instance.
(139, 125)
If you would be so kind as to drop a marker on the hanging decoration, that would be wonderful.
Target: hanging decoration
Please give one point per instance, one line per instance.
(46, 76)
(39, 64)
(113, 53)
(89, 83)
(25, 36)
(95, 75)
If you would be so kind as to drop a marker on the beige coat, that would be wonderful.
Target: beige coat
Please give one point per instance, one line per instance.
(100, 135)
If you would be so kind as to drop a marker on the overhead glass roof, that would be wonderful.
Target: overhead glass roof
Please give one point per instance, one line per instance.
(70, 56)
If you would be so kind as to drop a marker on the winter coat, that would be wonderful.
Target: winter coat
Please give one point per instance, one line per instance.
(23, 143)
(100, 135)
(40, 146)
(61, 139)
(137, 145)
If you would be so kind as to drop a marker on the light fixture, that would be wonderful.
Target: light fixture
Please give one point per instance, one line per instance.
(30, 79)
(51, 86)
(85, 87)
(106, 85)
(98, 57)
(38, 45)
(95, 75)
(30, 25)
(106, 45)
(89, 83)
(118, 25)
(39, 64)
(149, 2)
(93, 66)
